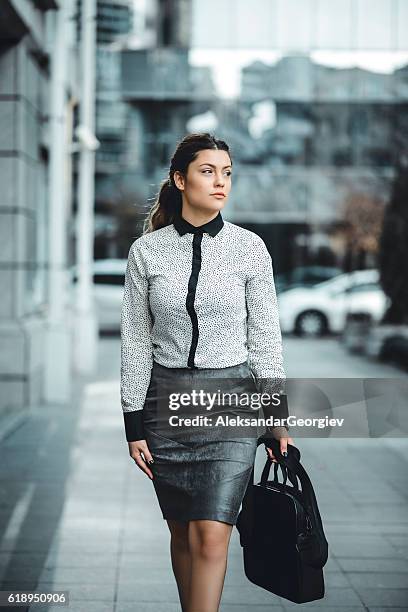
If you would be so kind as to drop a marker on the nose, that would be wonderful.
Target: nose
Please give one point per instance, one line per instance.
(219, 179)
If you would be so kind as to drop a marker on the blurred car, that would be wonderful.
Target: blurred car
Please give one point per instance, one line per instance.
(395, 350)
(109, 280)
(305, 276)
(323, 308)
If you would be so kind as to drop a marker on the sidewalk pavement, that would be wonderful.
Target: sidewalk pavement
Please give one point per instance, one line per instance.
(77, 514)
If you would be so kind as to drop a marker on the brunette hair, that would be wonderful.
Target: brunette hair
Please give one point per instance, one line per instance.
(169, 200)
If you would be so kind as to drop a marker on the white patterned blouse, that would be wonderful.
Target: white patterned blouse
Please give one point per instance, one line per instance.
(197, 297)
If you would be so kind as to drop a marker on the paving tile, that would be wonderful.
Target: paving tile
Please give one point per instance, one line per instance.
(385, 597)
(357, 526)
(19, 585)
(331, 564)
(311, 607)
(379, 512)
(377, 580)
(249, 595)
(364, 546)
(139, 562)
(254, 608)
(385, 609)
(76, 559)
(148, 576)
(127, 606)
(235, 577)
(333, 597)
(88, 592)
(85, 547)
(76, 606)
(398, 539)
(372, 565)
(147, 593)
(77, 575)
(335, 579)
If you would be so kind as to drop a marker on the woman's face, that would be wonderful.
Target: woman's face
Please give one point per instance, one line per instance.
(208, 175)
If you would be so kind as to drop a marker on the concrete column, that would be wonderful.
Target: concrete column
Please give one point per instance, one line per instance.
(86, 326)
(59, 333)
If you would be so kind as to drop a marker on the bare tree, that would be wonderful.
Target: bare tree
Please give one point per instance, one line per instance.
(362, 220)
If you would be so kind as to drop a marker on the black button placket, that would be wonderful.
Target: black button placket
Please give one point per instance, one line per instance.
(192, 286)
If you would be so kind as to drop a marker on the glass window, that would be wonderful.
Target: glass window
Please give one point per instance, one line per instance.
(373, 24)
(334, 24)
(295, 25)
(401, 24)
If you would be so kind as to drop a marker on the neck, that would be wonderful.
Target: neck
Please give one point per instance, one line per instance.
(197, 217)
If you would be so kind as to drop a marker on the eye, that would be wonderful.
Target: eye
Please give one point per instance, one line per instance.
(228, 172)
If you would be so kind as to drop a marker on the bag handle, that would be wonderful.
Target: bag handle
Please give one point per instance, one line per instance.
(267, 467)
(274, 444)
(287, 473)
(292, 462)
(247, 501)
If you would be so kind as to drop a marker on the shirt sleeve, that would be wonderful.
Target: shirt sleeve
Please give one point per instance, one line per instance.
(264, 339)
(136, 345)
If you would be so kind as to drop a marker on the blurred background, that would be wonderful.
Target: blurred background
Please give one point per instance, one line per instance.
(311, 96)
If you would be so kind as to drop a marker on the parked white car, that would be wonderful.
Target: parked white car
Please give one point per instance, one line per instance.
(109, 280)
(324, 307)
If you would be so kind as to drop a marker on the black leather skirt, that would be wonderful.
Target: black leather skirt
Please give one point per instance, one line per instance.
(200, 470)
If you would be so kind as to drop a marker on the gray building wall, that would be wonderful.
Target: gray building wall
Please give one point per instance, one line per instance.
(24, 95)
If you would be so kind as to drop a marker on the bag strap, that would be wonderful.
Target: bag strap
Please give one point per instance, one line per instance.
(274, 444)
(292, 462)
(265, 472)
(247, 501)
(292, 450)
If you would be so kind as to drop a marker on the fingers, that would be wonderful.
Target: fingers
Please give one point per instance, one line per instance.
(139, 451)
(271, 455)
(141, 463)
(147, 454)
(283, 446)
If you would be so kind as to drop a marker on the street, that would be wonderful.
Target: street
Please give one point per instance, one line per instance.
(78, 515)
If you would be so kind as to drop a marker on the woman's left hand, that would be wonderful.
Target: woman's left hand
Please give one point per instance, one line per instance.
(284, 440)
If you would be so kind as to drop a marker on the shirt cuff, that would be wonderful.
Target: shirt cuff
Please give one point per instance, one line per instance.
(134, 425)
(279, 411)
(276, 432)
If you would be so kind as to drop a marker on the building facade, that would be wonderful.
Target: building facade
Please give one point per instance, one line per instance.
(27, 34)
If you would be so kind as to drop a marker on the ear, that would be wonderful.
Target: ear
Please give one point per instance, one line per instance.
(178, 180)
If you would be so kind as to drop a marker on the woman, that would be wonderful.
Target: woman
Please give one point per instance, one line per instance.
(199, 307)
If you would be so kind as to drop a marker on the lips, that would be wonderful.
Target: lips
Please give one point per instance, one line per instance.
(219, 194)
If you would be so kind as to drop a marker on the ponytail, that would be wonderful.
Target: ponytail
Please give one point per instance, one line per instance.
(166, 207)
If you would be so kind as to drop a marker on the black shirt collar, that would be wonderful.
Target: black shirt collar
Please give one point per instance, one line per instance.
(211, 227)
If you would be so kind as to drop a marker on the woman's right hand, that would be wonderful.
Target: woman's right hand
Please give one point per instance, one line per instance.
(140, 453)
